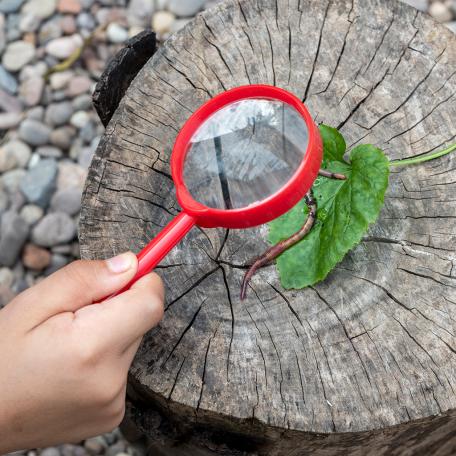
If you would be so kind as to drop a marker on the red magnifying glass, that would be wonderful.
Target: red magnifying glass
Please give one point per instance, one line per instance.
(242, 159)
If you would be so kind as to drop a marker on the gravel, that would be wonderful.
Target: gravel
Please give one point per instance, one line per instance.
(49, 132)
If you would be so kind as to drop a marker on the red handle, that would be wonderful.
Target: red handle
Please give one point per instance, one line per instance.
(157, 249)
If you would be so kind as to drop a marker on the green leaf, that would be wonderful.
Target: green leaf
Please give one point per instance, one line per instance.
(345, 210)
(334, 146)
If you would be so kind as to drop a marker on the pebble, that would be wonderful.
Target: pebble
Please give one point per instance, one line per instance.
(421, 5)
(13, 234)
(50, 30)
(185, 8)
(18, 54)
(116, 449)
(9, 120)
(60, 80)
(31, 90)
(54, 229)
(29, 23)
(4, 202)
(78, 85)
(68, 25)
(63, 137)
(49, 152)
(9, 103)
(6, 277)
(50, 452)
(62, 48)
(10, 6)
(7, 81)
(2, 32)
(440, 12)
(85, 21)
(39, 182)
(57, 262)
(69, 6)
(32, 214)
(36, 258)
(70, 175)
(36, 113)
(116, 34)
(82, 102)
(67, 200)
(40, 8)
(12, 27)
(12, 179)
(162, 22)
(139, 12)
(14, 154)
(95, 445)
(58, 114)
(79, 119)
(34, 132)
(452, 26)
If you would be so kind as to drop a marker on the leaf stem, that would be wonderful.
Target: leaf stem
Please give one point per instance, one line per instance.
(423, 158)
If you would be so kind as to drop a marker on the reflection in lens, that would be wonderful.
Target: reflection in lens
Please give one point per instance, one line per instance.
(245, 153)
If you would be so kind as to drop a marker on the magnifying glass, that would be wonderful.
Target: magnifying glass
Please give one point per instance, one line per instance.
(242, 159)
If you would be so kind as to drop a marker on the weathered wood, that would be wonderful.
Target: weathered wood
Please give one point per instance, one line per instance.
(368, 356)
(120, 71)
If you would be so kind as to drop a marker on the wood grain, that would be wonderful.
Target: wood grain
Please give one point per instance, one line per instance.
(371, 351)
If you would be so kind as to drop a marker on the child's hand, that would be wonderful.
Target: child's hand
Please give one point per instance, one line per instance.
(63, 360)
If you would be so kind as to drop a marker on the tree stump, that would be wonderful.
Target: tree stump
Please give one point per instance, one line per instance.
(365, 362)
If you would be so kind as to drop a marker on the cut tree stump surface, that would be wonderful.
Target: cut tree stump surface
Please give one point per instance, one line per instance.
(371, 347)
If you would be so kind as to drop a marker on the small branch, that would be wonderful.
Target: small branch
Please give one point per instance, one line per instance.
(423, 158)
(331, 175)
(272, 253)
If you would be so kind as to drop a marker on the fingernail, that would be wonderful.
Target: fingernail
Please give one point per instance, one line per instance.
(120, 263)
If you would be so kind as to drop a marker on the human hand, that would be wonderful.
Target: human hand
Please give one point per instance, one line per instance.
(64, 361)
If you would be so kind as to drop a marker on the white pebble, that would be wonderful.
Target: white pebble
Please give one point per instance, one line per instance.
(440, 12)
(162, 22)
(79, 119)
(116, 33)
(62, 48)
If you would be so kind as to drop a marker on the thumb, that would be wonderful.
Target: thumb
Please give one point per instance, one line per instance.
(77, 285)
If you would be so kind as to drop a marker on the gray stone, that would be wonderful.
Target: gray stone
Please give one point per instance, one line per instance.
(63, 137)
(54, 229)
(14, 154)
(36, 113)
(39, 182)
(421, 5)
(14, 232)
(34, 133)
(12, 27)
(12, 179)
(60, 80)
(41, 8)
(29, 23)
(9, 120)
(4, 202)
(88, 132)
(2, 32)
(7, 81)
(85, 21)
(62, 48)
(50, 452)
(49, 31)
(10, 6)
(49, 152)
(82, 102)
(31, 213)
(58, 114)
(18, 54)
(31, 90)
(79, 119)
(185, 8)
(95, 446)
(452, 26)
(140, 12)
(6, 277)
(116, 448)
(67, 200)
(9, 103)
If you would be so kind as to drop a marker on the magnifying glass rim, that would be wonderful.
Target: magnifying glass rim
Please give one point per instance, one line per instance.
(274, 205)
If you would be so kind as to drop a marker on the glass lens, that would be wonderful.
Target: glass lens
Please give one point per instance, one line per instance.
(244, 153)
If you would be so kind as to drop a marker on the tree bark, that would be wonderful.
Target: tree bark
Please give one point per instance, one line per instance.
(361, 364)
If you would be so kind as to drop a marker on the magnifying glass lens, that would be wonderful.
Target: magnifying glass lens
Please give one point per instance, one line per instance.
(244, 153)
